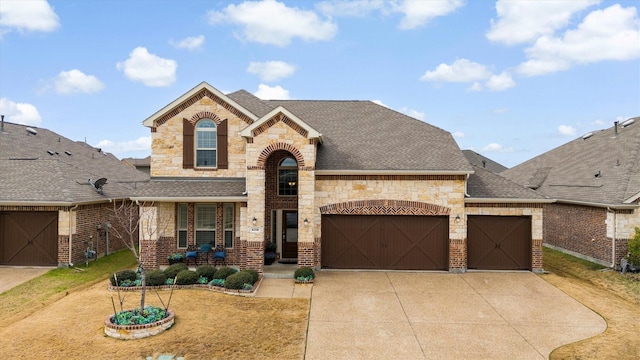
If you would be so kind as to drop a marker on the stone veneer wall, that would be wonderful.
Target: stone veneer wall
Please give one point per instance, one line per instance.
(533, 210)
(405, 193)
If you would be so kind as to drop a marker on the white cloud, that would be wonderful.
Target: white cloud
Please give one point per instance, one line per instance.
(462, 70)
(476, 86)
(139, 144)
(495, 147)
(500, 82)
(524, 21)
(34, 15)
(75, 81)
(458, 135)
(190, 43)
(379, 102)
(266, 92)
(413, 113)
(356, 8)
(19, 113)
(274, 23)
(566, 130)
(419, 13)
(271, 70)
(608, 34)
(149, 69)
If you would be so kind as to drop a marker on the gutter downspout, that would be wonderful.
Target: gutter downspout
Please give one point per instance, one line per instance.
(465, 186)
(71, 234)
(613, 239)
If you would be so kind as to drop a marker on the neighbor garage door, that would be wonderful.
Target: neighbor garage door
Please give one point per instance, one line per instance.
(499, 243)
(29, 238)
(385, 242)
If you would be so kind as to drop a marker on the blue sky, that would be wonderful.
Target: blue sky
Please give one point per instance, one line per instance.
(509, 79)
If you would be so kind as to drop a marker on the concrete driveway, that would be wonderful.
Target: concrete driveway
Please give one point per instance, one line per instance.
(11, 276)
(408, 315)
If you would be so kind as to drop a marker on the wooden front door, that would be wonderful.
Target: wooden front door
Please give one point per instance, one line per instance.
(289, 234)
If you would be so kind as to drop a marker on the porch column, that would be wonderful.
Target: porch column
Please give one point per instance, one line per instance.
(306, 233)
(255, 210)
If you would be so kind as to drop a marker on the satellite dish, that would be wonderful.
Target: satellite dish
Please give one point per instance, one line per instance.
(99, 183)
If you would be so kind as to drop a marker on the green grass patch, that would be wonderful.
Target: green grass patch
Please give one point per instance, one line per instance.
(57, 283)
(556, 258)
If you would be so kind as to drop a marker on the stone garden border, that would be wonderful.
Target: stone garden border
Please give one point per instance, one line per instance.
(130, 332)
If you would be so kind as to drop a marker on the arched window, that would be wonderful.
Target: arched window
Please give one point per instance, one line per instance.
(288, 177)
(206, 136)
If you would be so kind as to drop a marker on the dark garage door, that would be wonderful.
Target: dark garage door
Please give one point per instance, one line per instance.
(385, 242)
(29, 238)
(499, 242)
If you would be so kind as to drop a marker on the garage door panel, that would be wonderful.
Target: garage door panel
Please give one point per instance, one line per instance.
(29, 238)
(385, 242)
(499, 242)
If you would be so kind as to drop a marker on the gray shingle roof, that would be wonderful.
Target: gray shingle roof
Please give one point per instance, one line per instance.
(49, 168)
(603, 168)
(191, 188)
(483, 161)
(361, 135)
(486, 184)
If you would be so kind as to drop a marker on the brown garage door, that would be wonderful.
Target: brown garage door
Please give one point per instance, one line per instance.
(385, 242)
(499, 242)
(29, 238)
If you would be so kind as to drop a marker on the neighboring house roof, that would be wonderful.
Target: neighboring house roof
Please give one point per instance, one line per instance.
(601, 168)
(486, 186)
(41, 167)
(137, 162)
(483, 161)
(191, 190)
(364, 136)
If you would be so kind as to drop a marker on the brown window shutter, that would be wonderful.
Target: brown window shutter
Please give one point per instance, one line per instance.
(223, 161)
(187, 143)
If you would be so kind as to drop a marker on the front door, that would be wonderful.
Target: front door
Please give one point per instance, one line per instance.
(289, 234)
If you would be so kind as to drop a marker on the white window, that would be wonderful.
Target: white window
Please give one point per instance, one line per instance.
(206, 142)
(227, 220)
(205, 225)
(182, 225)
(288, 177)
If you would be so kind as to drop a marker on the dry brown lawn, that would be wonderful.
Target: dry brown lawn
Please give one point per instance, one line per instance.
(208, 326)
(614, 296)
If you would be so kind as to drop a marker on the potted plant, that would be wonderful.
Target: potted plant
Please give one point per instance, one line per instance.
(175, 258)
(270, 253)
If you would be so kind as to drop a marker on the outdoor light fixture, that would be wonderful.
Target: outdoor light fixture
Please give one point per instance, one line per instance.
(457, 218)
(254, 220)
(306, 222)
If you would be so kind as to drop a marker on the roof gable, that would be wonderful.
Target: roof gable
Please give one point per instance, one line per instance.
(284, 115)
(190, 97)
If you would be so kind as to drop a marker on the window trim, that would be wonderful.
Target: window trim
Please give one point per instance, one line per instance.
(179, 229)
(213, 229)
(196, 150)
(226, 229)
(287, 168)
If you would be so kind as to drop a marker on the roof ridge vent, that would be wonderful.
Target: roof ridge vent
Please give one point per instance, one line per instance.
(31, 131)
(587, 135)
(627, 123)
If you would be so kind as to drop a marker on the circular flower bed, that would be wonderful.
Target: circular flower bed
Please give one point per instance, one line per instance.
(136, 324)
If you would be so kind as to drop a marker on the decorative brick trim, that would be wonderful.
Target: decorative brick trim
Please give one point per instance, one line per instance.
(249, 140)
(505, 205)
(262, 159)
(384, 207)
(154, 129)
(205, 115)
(274, 120)
(306, 168)
(195, 98)
(389, 177)
(253, 167)
(306, 254)
(33, 208)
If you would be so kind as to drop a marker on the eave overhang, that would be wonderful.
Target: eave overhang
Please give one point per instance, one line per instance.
(311, 132)
(393, 172)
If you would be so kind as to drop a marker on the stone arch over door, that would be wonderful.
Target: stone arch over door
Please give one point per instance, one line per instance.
(266, 152)
(384, 207)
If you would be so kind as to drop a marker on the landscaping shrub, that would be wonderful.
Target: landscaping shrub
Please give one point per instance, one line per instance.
(236, 281)
(156, 278)
(186, 277)
(224, 272)
(174, 269)
(304, 272)
(634, 248)
(123, 275)
(206, 271)
(254, 275)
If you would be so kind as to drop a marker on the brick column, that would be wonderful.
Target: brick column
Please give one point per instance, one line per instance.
(457, 255)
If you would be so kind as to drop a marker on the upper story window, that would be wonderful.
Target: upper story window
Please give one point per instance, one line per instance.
(206, 143)
(288, 177)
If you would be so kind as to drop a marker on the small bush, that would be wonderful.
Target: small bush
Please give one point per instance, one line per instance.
(187, 277)
(206, 271)
(217, 282)
(156, 278)
(123, 275)
(634, 248)
(174, 269)
(236, 281)
(224, 272)
(304, 272)
(254, 275)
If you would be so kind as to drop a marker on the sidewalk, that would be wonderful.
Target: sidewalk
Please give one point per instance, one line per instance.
(278, 282)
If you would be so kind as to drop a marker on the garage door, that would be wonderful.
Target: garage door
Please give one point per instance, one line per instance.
(385, 242)
(29, 238)
(499, 243)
